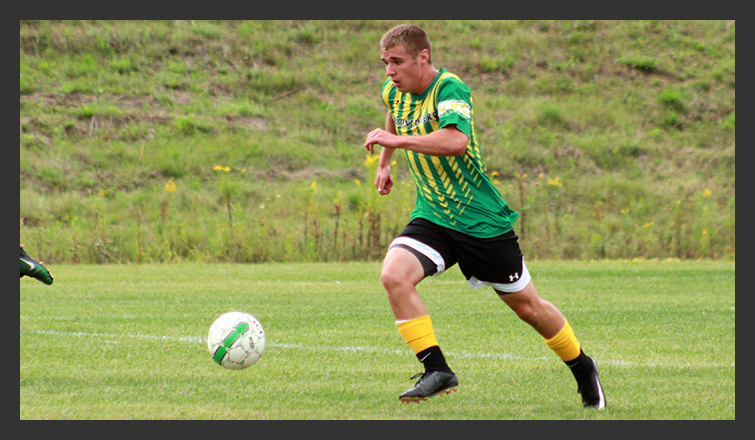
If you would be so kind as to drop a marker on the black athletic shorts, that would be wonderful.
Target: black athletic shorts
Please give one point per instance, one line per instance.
(497, 261)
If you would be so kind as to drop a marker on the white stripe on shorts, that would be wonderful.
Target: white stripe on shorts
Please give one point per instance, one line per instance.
(519, 284)
(424, 249)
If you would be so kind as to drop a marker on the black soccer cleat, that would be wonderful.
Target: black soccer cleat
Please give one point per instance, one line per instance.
(430, 383)
(34, 269)
(589, 386)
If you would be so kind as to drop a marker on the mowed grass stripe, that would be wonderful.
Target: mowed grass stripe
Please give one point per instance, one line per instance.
(386, 351)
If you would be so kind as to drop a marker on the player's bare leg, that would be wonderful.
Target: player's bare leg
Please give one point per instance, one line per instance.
(543, 316)
(548, 321)
(401, 273)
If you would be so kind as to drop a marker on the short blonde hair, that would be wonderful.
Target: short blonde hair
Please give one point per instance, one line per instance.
(414, 39)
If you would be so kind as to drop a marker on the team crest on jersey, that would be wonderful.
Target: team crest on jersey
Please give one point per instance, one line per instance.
(455, 106)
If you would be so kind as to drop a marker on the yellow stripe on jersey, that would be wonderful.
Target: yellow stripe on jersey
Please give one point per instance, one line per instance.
(444, 177)
(476, 179)
(415, 169)
(433, 186)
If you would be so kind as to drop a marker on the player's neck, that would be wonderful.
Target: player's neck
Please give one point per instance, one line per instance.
(428, 76)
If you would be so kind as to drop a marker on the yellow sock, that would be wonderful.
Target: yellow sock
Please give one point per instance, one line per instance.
(418, 333)
(565, 344)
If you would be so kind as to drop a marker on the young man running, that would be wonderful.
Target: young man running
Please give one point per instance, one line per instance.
(30, 267)
(459, 217)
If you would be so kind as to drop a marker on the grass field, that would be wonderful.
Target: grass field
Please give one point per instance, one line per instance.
(127, 342)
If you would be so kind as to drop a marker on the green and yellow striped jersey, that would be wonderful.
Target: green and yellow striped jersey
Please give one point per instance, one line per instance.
(451, 191)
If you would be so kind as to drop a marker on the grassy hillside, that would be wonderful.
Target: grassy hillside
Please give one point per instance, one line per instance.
(242, 141)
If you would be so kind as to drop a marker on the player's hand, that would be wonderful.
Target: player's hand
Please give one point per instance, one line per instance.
(384, 180)
(380, 137)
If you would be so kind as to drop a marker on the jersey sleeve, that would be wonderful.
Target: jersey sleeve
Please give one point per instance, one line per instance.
(455, 105)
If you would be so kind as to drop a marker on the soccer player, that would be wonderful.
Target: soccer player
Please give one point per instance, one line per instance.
(30, 267)
(459, 217)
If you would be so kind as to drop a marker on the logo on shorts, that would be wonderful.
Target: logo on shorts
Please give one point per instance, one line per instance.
(514, 277)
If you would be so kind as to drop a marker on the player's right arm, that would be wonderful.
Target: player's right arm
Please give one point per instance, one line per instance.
(383, 177)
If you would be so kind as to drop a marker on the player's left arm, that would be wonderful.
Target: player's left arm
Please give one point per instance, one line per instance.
(448, 141)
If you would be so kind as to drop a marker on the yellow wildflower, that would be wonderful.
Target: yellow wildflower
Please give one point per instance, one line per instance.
(369, 160)
(707, 193)
(170, 186)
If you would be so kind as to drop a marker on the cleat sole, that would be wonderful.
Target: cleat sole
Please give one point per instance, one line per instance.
(423, 399)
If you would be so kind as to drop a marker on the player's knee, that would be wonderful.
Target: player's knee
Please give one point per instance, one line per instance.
(391, 279)
(396, 276)
(527, 312)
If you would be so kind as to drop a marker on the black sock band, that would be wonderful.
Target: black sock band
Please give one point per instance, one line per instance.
(433, 360)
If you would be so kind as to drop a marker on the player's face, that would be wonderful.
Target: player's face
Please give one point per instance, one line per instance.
(404, 70)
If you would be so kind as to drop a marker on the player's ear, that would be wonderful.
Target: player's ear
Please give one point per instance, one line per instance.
(424, 55)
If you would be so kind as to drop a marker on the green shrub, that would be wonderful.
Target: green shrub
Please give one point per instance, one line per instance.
(644, 64)
(671, 98)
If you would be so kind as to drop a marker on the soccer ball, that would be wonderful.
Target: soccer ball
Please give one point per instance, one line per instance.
(236, 340)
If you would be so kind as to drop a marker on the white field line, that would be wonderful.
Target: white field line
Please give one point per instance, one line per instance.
(357, 349)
